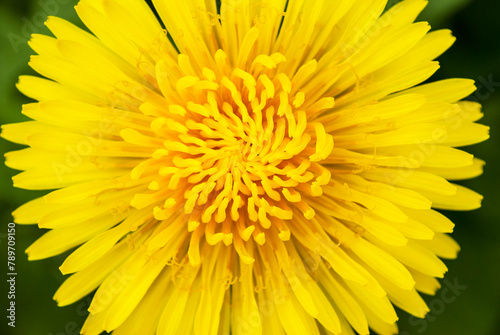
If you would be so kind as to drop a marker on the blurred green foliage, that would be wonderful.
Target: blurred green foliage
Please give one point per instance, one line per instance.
(476, 54)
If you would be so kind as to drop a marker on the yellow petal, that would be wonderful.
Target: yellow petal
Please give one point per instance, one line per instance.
(98, 246)
(110, 204)
(406, 299)
(133, 291)
(173, 318)
(85, 281)
(344, 300)
(57, 241)
(467, 134)
(293, 317)
(191, 35)
(442, 245)
(245, 315)
(380, 261)
(19, 132)
(271, 323)
(416, 257)
(463, 200)
(93, 16)
(403, 13)
(415, 180)
(144, 319)
(424, 283)
(460, 173)
(381, 306)
(432, 219)
(448, 90)
(32, 211)
(42, 89)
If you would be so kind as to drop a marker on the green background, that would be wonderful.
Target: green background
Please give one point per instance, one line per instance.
(476, 55)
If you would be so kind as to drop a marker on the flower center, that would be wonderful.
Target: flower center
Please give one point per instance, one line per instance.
(237, 155)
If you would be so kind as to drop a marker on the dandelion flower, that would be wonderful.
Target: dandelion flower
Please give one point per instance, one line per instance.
(250, 167)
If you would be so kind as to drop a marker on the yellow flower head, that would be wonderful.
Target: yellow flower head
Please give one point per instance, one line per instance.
(253, 167)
